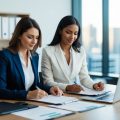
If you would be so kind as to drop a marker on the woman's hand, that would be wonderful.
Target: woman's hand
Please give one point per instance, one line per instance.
(56, 91)
(36, 94)
(98, 86)
(74, 88)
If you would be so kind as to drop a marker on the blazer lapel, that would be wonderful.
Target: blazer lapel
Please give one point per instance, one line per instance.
(61, 61)
(19, 66)
(75, 63)
(33, 62)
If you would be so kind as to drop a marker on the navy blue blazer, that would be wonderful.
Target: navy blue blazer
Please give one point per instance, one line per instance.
(12, 80)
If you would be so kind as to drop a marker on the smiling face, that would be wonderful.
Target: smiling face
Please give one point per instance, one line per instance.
(69, 34)
(29, 39)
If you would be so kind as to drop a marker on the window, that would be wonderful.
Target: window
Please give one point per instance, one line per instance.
(114, 37)
(100, 23)
(92, 33)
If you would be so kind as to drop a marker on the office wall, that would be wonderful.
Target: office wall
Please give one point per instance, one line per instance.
(46, 12)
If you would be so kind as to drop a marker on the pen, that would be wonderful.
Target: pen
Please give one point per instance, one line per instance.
(79, 85)
(37, 88)
(75, 82)
(42, 91)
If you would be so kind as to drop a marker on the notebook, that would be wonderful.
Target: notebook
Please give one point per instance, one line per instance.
(7, 107)
(112, 97)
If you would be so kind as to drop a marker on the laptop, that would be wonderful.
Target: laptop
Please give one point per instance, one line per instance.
(7, 107)
(112, 97)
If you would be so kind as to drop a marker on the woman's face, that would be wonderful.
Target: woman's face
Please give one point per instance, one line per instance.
(29, 39)
(69, 34)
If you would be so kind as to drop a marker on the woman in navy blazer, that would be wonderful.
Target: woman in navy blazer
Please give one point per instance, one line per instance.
(19, 77)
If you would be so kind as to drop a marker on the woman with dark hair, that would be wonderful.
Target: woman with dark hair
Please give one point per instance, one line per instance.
(64, 60)
(19, 64)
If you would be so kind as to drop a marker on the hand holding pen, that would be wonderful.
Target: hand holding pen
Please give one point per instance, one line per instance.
(36, 94)
(56, 91)
(98, 86)
(74, 88)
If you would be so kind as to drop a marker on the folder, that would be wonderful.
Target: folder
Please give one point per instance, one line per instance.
(0, 28)
(17, 19)
(5, 28)
(7, 107)
(11, 26)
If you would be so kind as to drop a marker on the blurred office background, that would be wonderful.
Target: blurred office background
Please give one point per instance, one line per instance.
(100, 22)
(100, 36)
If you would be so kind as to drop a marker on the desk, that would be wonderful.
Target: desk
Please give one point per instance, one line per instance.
(109, 112)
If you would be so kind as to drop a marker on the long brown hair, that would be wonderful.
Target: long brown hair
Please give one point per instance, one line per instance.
(23, 25)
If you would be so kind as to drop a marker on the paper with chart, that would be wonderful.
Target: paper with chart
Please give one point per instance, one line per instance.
(56, 99)
(88, 91)
(91, 92)
(43, 113)
(78, 106)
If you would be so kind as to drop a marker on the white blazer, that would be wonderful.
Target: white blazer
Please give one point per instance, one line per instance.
(55, 72)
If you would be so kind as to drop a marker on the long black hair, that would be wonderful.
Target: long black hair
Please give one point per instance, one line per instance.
(66, 21)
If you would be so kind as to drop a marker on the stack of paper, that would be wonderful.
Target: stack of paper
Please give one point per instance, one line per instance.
(63, 106)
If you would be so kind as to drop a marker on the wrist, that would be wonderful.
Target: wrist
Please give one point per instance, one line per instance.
(94, 87)
(67, 88)
(28, 96)
(50, 89)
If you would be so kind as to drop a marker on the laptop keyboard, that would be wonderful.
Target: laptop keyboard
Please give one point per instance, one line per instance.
(108, 97)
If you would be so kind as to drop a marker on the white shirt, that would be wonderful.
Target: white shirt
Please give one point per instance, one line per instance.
(28, 71)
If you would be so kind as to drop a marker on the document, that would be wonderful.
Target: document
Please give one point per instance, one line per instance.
(88, 91)
(78, 106)
(43, 113)
(91, 92)
(58, 100)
